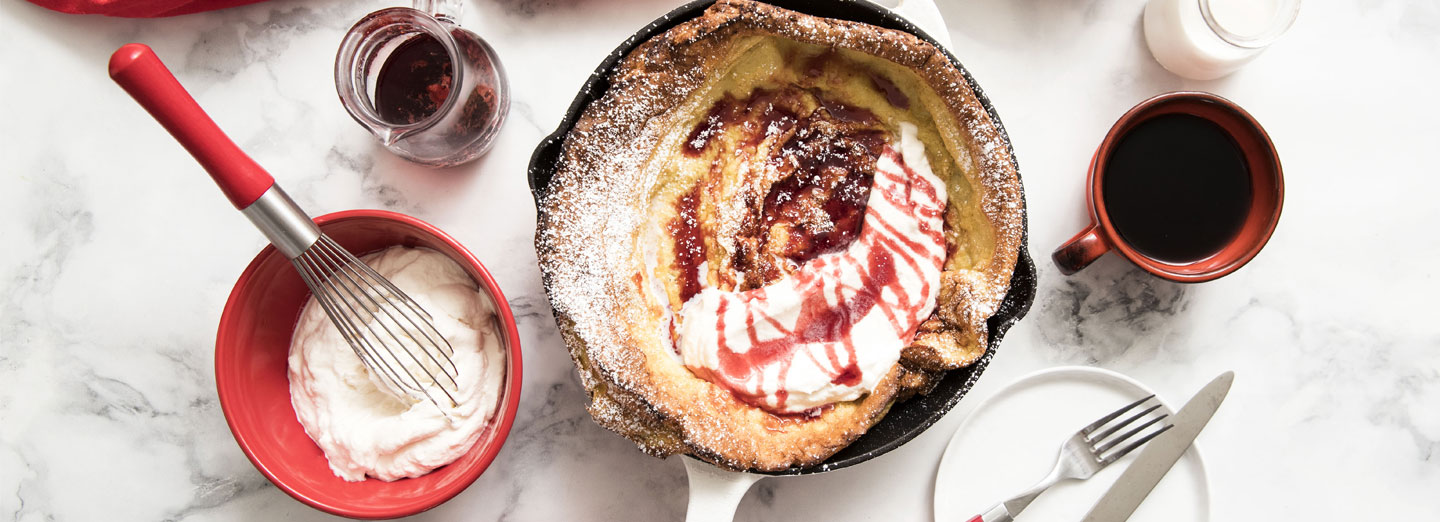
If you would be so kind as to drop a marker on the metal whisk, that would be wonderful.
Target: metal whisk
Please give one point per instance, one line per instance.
(383, 325)
(338, 281)
(391, 334)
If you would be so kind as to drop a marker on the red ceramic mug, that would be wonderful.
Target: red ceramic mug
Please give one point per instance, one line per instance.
(1267, 190)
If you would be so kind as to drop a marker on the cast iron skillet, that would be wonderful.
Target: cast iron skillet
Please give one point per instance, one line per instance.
(906, 419)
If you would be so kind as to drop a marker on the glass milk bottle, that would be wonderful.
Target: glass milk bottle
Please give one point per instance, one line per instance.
(1208, 39)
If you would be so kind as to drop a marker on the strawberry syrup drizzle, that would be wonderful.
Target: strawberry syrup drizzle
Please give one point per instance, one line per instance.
(689, 243)
(830, 325)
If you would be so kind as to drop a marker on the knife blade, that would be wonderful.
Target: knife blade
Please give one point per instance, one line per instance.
(1157, 457)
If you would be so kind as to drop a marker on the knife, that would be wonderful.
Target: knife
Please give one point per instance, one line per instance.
(1157, 457)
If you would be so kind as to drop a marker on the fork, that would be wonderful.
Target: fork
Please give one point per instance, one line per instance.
(1083, 455)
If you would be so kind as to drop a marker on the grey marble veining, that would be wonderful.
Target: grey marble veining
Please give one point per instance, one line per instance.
(118, 255)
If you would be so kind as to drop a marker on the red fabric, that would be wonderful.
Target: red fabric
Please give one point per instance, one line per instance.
(138, 8)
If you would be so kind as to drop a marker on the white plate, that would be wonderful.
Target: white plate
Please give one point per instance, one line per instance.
(1011, 439)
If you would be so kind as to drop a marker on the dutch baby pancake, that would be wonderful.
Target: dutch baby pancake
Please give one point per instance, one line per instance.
(772, 227)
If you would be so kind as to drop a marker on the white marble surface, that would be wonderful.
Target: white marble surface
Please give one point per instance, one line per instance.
(118, 254)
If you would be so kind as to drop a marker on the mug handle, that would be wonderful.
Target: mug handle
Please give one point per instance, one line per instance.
(1080, 251)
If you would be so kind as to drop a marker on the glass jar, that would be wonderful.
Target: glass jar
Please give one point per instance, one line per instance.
(1208, 39)
(430, 91)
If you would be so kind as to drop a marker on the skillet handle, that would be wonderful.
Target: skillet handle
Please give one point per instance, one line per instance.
(715, 493)
(925, 15)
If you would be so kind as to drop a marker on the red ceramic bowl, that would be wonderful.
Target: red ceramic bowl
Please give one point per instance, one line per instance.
(250, 373)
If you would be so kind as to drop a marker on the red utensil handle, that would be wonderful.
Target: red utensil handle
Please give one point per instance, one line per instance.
(996, 513)
(136, 68)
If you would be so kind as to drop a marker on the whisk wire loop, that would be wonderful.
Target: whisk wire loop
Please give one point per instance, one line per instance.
(424, 325)
(369, 290)
(358, 300)
(343, 275)
(344, 323)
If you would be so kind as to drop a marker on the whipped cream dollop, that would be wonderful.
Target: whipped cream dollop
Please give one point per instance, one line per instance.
(833, 329)
(363, 425)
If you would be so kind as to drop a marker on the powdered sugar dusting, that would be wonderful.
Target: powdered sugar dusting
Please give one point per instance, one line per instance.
(595, 208)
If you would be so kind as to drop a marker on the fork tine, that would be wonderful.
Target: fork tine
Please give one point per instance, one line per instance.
(1128, 434)
(1127, 449)
(1091, 428)
(1111, 430)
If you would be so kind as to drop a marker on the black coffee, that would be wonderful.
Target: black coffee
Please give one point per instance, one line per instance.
(1177, 188)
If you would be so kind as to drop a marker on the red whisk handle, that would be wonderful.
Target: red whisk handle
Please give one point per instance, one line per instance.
(136, 68)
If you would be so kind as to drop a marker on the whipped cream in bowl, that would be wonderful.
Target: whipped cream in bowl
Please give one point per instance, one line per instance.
(315, 424)
(365, 426)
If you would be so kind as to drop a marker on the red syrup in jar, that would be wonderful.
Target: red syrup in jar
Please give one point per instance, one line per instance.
(417, 79)
(414, 81)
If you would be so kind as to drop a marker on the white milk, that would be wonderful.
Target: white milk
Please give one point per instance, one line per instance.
(1207, 39)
